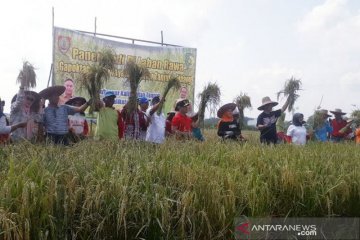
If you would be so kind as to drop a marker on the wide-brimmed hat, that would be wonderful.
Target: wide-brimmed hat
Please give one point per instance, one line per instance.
(224, 108)
(73, 100)
(324, 112)
(267, 101)
(338, 111)
(181, 103)
(32, 93)
(52, 91)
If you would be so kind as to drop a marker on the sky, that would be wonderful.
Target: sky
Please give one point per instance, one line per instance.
(250, 46)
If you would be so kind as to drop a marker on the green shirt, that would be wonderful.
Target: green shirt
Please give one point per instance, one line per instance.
(107, 124)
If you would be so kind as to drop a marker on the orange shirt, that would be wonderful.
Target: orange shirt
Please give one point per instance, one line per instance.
(357, 135)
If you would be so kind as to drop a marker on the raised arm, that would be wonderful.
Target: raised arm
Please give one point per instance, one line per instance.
(286, 104)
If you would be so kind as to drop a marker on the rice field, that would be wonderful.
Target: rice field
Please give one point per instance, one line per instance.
(179, 190)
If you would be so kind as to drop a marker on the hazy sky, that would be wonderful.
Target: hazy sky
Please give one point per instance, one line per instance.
(249, 46)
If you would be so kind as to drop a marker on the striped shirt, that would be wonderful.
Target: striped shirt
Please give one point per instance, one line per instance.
(56, 119)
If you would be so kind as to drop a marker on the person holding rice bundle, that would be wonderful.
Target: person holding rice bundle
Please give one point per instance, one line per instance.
(266, 121)
(341, 128)
(78, 125)
(181, 124)
(195, 129)
(156, 130)
(5, 127)
(136, 123)
(228, 126)
(25, 107)
(108, 124)
(297, 130)
(56, 117)
(321, 126)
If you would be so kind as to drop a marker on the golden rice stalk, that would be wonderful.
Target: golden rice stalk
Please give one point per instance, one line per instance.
(135, 74)
(356, 116)
(27, 76)
(174, 84)
(209, 98)
(242, 101)
(290, 90)
(318, 119)
(97, 75)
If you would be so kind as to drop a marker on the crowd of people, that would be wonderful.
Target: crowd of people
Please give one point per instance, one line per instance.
(63, 120)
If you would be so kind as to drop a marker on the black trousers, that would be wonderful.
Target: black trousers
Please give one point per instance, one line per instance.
(57, 138)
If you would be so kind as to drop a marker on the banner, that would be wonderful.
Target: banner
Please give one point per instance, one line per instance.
(75, 52)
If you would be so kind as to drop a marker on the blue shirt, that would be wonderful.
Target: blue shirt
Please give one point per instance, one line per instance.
(322, 132)
(56, 119)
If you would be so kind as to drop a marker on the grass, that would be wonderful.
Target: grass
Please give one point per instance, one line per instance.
(179, 190)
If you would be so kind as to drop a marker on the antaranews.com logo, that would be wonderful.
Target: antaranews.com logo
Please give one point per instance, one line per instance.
(296, 228)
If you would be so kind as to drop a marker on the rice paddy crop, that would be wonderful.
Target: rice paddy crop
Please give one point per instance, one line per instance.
(178, 190)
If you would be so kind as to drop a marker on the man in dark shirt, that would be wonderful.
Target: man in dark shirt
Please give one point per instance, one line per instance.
(266, 121)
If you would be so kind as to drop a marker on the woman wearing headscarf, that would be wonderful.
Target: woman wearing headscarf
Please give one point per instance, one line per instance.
(228, 127)
(297, 130)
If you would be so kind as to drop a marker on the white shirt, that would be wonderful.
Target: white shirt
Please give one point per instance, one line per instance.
(77, 123)
(297, 134)
(3, 128)
(156, 130)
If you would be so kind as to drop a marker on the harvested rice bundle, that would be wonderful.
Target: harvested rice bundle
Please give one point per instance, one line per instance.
(27, 76)
(174, 84)
(95, 78)
(290, 90)
(242, 101)
(355, 115)
(135, 74)
(209, 98)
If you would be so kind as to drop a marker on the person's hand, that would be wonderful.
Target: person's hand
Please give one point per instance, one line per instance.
(22, 124)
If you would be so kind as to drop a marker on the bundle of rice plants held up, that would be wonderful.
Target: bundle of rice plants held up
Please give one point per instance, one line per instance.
(95, 78)
(27, 76)
(242, 101)
(291, 87)
(174, 84)
(135, 74)
(209, 98)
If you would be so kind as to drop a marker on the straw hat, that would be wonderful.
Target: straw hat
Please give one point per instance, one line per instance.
(325, 112)
(224, 108)
(35, 95)
(76, 99)
(337, 111)
(267, 101)
(52, 91)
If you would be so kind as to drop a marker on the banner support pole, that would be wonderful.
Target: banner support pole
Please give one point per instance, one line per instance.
(52, 74)
(162, 38)
(95, 28)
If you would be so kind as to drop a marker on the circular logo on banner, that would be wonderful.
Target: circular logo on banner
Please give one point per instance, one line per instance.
(64, 44)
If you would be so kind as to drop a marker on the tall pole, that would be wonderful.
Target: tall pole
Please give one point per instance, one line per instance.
(95, 28)
(162, 38)
(53, 50)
